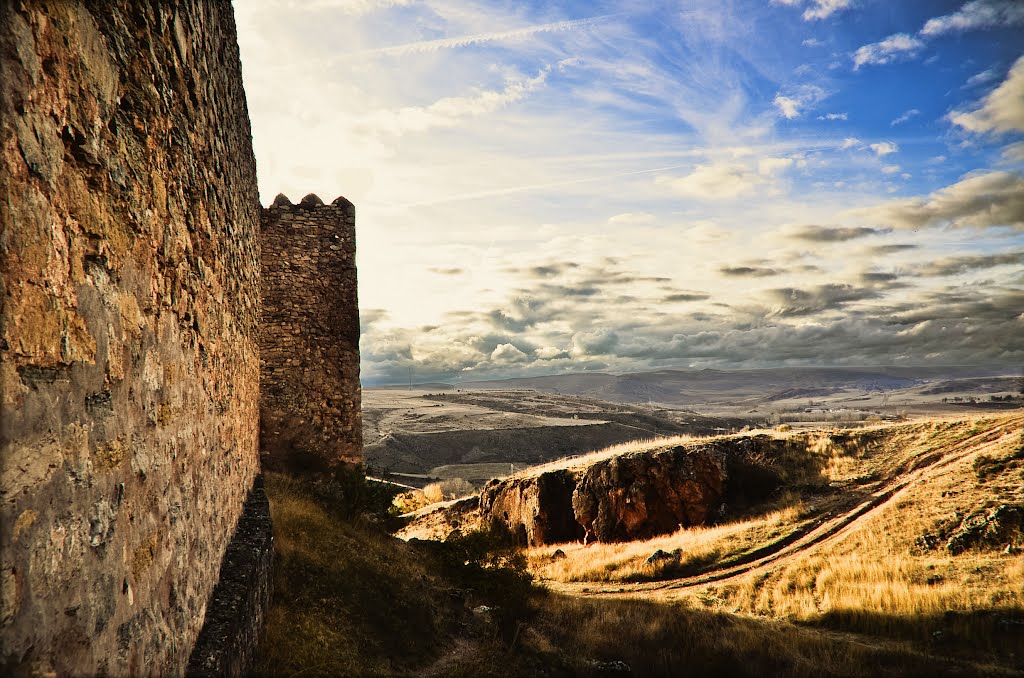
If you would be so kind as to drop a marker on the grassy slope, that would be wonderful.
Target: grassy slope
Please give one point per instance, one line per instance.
(351, 600)
(873, 578)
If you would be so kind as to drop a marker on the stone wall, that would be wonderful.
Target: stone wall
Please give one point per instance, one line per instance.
(309, 340)
(128, 330)
(227, 645)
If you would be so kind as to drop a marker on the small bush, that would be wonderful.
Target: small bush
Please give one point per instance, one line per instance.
(410, 501)
(454, 488)
(349, 495)
(433, 493)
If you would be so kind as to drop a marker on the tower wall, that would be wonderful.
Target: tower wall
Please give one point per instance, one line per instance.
(309, 340)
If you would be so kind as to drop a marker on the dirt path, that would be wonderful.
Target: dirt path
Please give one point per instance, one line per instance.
(826, 530)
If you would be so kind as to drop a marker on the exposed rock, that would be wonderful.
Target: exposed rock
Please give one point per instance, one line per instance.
(638, 496)
(660, 555)
(1000, 527)
(537, 510)
(995, 528)
(615, 667)
(484, 614)
(644, 494)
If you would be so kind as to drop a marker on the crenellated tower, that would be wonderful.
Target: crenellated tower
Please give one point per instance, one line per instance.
(309, 338)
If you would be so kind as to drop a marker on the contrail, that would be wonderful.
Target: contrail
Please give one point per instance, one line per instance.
(466, 40)
(530, 187)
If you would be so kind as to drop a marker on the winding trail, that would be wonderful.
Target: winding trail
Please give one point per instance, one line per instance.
(827, 529)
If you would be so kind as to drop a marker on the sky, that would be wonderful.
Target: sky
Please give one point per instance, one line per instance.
(570, 186)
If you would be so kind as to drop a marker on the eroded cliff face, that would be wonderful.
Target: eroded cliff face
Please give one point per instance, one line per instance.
(128, 329)
(538, 510)
(639, 495)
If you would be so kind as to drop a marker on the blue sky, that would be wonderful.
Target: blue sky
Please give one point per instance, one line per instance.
(569, 186)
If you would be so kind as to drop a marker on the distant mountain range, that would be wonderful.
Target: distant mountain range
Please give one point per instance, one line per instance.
(689, 388)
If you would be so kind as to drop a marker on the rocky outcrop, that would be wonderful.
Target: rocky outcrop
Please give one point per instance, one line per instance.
(997, 527)
(639, 495)
(537, 510)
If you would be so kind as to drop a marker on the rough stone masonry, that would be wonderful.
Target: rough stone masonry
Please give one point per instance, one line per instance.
(129, 281)
(310, 414)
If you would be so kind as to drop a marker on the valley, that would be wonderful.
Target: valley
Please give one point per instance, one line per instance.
(425, 433)
(902, 533)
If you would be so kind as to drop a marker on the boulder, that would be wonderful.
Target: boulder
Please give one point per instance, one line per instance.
(998, 527)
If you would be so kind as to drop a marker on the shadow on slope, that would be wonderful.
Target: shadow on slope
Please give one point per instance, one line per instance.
(350, 599)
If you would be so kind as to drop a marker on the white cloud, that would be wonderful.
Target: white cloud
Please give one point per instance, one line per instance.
(632, 219)
(450, 110)
(883, 148)
(788, 106)
(594, 342)
(812, 42)
(507, 353)
(706, 231)
(793, 103)
(984, 76)
(834, 116)
(822, 9)
(725, 180)
(1013, 153)
(550, 353)
(886, 50)
(722, 181)
(769, 166)
(906, 116)
(850, 142)
(1002, 110)
(977, 14)
(981, 200)
(891, 169)
(715, 182)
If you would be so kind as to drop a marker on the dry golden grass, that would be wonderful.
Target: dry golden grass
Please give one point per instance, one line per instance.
(348, 598)
(867, 601)
(659, 638)
(627, 561)
(872, 577)
(878, 566)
